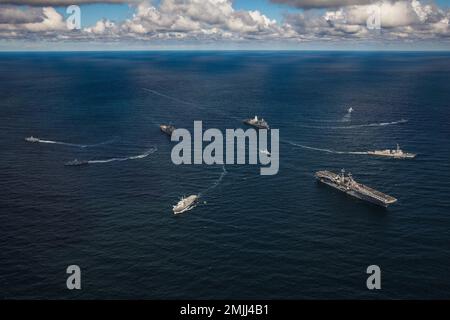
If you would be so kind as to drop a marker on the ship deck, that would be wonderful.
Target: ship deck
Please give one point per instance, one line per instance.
(359, 187)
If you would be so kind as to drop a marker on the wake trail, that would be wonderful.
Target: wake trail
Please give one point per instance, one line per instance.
(380, 124)
(216, 183)
(169, 97)
(190, 103)
(140, 156)
(37, 140)
(324, 150)
(327, 120)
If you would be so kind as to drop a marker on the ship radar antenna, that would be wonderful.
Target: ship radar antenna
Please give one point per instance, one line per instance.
(342, 174)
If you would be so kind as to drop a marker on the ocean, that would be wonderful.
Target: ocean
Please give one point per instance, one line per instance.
(251, 236)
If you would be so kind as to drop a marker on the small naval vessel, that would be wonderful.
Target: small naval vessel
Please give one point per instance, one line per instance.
(351, 187)
(185, 204)
(257, 123)
(397, 153)
(264, 151)
(350, 110)
(77, 162)
(167, 129)
(32, 139)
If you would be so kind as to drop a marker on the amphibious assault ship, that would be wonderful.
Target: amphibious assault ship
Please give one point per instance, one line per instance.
(167, 129)
(185, 204)
(351, 187)
(257, 123)
(397, 153)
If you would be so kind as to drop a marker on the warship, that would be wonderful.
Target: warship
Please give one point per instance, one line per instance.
(397, 153)
(185, 204)
(77, 162)
(167, 129)
(32, 139)
(351, 187)
(257, 123)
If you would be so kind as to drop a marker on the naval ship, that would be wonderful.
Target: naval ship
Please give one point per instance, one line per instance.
(167, 129)
(257, 123)
(31, 139)
(397, 153)
(185, 204)
(351, 187)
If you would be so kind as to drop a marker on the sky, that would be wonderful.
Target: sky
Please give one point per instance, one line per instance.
(28, 25)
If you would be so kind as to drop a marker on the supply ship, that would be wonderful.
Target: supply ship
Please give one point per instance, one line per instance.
(185, 204)
(351, 187)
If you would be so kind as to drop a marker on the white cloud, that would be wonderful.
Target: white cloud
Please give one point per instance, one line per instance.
(216, 20)
(314, 4)
(198, 18)
(14, 15)
(46, 20)
(402, 19)
(43, 3)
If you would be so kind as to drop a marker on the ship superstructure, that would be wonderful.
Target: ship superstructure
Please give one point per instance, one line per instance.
(258, 123)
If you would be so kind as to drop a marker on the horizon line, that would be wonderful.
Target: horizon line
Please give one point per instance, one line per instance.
(226, 50)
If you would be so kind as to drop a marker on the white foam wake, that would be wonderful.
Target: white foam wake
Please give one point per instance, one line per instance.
(380, 124)
(203, 107)
(140, 156)
(325, 150)
(37, 140)
(169, 97)
(216, 183)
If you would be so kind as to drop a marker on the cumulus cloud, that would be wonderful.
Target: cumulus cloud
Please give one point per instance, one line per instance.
(14, 15)
(218, 20)
(404, 19)
(193, 19)
(41, 3)
(309, 4)
(39, 21)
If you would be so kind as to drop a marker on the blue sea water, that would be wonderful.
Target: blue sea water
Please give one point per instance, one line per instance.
(281, 236)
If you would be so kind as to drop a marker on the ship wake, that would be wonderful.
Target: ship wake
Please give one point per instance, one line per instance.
(216, 183)
(355, 126)
(37, 140)
(140, 156)
(200, 106)
(325, 150)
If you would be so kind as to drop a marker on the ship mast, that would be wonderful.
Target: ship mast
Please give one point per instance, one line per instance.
(342, 176)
